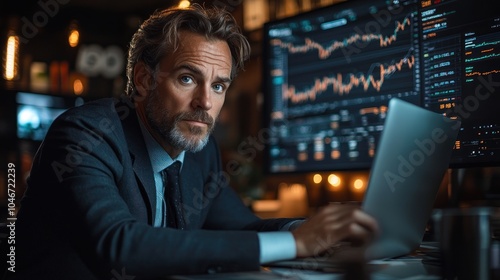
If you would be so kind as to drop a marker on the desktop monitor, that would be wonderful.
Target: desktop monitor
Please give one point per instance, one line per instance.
(36, 112)
(328, 75)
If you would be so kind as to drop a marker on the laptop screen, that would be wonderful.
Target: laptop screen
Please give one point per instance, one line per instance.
(413, 154)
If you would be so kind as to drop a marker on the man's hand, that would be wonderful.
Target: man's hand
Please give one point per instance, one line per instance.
(331, 224)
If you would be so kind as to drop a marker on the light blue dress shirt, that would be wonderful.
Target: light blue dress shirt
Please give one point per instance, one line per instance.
(274, 246)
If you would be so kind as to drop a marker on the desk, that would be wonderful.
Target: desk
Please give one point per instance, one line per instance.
(424, 264)
(394, 269)
(383, 270)
(408, 267)
(414, 267)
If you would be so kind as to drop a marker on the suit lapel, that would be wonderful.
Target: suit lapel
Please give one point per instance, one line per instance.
(140, 158)
(194, 199)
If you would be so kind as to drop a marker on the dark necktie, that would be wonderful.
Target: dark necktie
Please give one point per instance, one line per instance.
(172, 195)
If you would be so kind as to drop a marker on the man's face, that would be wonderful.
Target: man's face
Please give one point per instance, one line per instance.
(190, 92)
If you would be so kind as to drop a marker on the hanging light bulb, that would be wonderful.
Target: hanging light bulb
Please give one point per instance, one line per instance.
(73, 35)
(11, 57)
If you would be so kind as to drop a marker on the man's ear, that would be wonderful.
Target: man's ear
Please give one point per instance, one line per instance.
(142, 79)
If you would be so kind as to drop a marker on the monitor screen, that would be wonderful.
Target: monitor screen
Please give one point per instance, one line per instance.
(329, 74)
(36, 112)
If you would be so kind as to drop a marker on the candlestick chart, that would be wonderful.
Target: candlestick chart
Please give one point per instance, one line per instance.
(329, 74)
(346, 64)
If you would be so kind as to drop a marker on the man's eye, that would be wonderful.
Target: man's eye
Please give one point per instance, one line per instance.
(186, 79)
(218, 88)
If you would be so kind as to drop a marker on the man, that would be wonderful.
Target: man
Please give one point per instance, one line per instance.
(96, 204)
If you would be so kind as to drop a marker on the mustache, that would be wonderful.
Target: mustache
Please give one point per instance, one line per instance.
(198, 115)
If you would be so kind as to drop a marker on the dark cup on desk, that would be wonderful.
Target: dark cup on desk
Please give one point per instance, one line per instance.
(465, 238)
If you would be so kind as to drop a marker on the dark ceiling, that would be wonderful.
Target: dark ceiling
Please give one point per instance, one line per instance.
(121, 6)
(45, 23)
(95, 14)
(124, 7)
(43, 27)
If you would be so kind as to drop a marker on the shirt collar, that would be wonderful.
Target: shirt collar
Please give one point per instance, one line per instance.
(160, 159)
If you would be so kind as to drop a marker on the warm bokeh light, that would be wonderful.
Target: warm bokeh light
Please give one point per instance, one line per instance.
(358, 184)
(73, 38)
(298, 189)
(334, 181)
(317, 178)
(11, 58)
(293, 198)
(78, 87)
(184, 4)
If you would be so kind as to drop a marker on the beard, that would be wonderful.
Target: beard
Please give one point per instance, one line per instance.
(166, 125)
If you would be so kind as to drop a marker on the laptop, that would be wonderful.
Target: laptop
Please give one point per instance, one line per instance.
(412, 157)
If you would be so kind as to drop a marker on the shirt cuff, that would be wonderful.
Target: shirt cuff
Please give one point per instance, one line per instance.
(292, 225)
(276, 246)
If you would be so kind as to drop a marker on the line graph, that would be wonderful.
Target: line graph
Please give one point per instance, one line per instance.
(374, 78)
(325, 52)
(481, 55)
(486, 73)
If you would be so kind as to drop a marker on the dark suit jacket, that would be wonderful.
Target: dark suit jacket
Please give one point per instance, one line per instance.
(90, 203)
